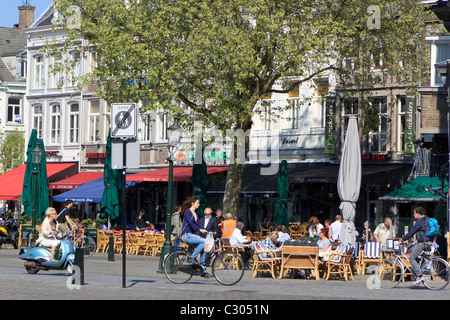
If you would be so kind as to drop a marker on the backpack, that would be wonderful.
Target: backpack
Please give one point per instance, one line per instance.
(432, 227)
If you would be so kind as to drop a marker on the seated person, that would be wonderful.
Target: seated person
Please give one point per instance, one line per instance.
(324, 242)
(270, 243)
(237, 237)
(47, 235)
(282, 233)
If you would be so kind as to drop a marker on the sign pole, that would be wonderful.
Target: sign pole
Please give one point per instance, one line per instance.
(124, 220)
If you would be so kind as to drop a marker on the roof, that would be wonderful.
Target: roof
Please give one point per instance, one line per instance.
(45, 19)
(12, 41)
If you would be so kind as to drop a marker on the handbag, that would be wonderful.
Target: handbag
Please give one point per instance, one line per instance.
(209, 243)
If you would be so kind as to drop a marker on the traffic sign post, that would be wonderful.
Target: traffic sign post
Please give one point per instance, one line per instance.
(124, 118)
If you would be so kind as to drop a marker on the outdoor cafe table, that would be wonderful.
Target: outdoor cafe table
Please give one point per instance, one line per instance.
(299, 257)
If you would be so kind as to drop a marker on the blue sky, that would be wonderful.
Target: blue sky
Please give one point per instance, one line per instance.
(9, 14)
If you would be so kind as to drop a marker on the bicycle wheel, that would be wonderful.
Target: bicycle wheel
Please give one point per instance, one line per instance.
(228, 268)
(88, 244)
(436, 273)
(389, 273)
(175, 267)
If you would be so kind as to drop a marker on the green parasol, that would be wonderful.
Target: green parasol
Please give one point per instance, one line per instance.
(42, 202)
(111, 204)
(282, 213)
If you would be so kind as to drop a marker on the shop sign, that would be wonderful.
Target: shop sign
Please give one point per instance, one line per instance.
(410, 124)
(96, 155)
(330, 135)
(207, 156)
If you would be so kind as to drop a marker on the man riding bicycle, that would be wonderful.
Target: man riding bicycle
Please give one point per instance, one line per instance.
(419, 228)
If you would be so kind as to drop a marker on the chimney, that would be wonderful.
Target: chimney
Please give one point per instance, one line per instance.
(26, 16)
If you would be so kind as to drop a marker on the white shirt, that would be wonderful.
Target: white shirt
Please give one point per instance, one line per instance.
(206, 222)
(335, 230)
(314, 232)
(237, 237)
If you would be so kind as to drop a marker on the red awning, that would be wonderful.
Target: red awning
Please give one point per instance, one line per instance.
(76, 180)
(179, 174)
(11, 182)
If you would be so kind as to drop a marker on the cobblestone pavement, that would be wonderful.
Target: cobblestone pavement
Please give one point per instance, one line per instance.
(103, 281)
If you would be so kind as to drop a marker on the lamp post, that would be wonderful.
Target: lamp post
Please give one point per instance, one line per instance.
(174, 134)
(443, 70)
(36, 156)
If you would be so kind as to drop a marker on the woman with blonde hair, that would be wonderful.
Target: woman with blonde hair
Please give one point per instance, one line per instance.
(47, 236)
(315, 227)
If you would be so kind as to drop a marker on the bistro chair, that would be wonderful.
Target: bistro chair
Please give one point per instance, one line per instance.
(265, 260)
(339, 262)
(159, 243)
(371, 254)
(102, 241)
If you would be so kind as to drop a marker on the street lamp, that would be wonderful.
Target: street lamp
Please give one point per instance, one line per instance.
(174, 134)
(443, 70)
(36, 156)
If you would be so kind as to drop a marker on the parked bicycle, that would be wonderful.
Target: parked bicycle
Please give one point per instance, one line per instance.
(86, 242)
(394, 270)
(226, 266)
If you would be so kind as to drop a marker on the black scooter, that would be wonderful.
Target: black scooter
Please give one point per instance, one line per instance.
(9, 233)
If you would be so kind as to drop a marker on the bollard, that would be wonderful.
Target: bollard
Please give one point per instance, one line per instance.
(111, 249)
(79, 262)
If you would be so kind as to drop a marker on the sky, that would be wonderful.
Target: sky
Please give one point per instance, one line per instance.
(9, 14)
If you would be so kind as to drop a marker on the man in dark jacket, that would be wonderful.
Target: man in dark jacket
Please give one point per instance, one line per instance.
(419, 228)
(210, 223)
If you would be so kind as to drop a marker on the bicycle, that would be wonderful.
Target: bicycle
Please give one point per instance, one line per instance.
(227, 267)
(86, 242)
(392, 271)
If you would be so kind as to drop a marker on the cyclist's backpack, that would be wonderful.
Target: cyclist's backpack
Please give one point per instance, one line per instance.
(432, 228)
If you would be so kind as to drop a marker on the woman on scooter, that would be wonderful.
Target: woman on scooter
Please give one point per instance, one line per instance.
(47, 235)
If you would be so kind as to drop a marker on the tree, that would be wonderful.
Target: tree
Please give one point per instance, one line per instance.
(12, 145)
(220, 58)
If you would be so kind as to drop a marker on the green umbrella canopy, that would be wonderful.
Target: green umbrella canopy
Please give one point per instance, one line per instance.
(282, 213)
(199, 181)
(42, 202)
(112, 194)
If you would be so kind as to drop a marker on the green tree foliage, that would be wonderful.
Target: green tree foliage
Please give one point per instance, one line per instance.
(12, 146)
(231, 53)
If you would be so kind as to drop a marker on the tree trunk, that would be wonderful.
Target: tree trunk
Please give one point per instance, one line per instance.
(232, 195)
(233, 186)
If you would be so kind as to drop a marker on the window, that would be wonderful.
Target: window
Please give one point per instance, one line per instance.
(377, 121)
(74, 124)
(55, 123)
(76, 67)
(294, 106)
(146, 127)
(162, 135)
(14, 114)
(56, 77)
(267, 114)
(39, 72)
(94, 121)
(37, 120)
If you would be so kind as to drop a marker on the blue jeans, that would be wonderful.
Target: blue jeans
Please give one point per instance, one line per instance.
(176, 241)
(197, 241)
(414, 252)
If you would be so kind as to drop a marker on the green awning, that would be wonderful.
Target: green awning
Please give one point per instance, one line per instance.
(416, 190)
